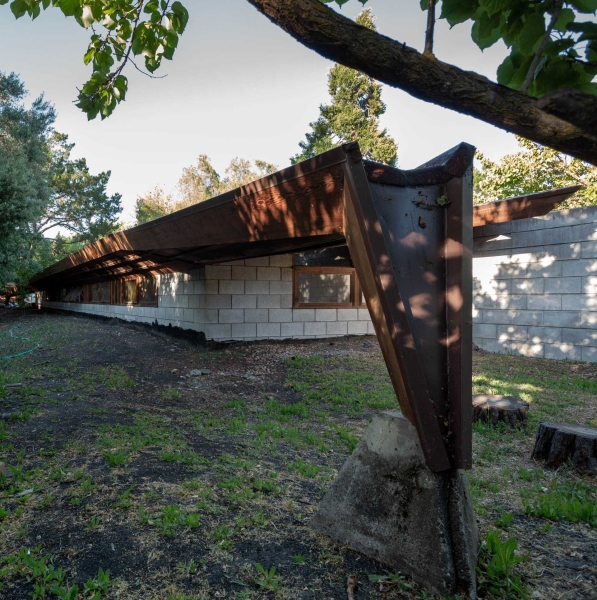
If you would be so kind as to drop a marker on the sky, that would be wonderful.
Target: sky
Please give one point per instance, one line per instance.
(238, 86)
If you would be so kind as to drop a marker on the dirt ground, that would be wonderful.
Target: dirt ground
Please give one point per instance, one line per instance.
(190, 472)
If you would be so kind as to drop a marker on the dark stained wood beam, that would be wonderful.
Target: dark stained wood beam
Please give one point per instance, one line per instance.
(521, 207)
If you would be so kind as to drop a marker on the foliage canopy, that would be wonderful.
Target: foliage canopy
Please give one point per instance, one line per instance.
(535, 168)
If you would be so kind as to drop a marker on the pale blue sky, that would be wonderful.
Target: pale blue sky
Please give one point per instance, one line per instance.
(238, 86)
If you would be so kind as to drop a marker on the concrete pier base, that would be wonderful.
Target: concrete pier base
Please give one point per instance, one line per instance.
(387, 504)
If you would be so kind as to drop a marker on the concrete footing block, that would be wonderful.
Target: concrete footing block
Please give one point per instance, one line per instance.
(387, 504)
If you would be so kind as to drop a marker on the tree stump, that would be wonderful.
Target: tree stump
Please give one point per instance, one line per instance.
(495, 408)
(558, 442)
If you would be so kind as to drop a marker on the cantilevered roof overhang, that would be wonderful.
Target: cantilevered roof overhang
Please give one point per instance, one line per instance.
(298, 208)
(410, 237)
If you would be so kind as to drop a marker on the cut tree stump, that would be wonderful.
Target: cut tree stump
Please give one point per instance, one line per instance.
(495, 408)
(558, 442)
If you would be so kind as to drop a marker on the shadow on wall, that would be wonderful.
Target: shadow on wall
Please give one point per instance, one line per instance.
(535, 291)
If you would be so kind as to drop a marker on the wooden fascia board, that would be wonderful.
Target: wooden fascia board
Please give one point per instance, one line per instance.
(521, 207)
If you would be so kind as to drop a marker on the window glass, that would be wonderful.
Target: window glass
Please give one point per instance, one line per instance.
(148, 291)
(323, 288)
(105, 292)
(129, 291)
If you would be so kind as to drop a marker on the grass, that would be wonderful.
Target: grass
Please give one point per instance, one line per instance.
(202, 485)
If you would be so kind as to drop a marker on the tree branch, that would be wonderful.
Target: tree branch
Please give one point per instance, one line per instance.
(341, 40)
(557, 7)
(573, 106)
(430, 27)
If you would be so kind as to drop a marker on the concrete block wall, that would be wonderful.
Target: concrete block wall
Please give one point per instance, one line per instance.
(535, 286)
(248, 299)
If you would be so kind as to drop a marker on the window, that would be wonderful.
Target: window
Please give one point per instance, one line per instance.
(97, 293)
(325, 279)
(73, 294)
(148, 291)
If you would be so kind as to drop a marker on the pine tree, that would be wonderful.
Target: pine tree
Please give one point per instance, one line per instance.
(353, 114)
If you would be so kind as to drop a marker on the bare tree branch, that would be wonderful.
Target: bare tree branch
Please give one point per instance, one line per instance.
(430, 28)
(341, 40)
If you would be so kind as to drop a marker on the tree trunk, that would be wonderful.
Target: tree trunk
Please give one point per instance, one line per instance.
(557, 442)
(342, 40)
(493, 408)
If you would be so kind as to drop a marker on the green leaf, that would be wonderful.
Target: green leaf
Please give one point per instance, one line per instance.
(181, 12)
(588, 30)
(89, 56)
(494, 7)
(486, 29)
(424, 4)
(584, 6)
(458, 11)
(532, 32)
(18, 8)
(566, 16)
(69, 7)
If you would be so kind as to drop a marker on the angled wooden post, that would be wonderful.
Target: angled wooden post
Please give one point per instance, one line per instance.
(410, 239)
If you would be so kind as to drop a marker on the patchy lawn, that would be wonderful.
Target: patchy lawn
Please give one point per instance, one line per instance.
(203, 486)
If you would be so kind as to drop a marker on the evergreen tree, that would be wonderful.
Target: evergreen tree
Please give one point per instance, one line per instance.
(353, 114)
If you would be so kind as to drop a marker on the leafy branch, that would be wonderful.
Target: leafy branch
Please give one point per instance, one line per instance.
(150, 28)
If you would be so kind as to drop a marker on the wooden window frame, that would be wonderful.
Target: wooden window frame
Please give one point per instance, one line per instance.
(116, 292)
(355, 288)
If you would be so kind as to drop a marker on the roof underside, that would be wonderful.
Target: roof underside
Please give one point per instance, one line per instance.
(298, 208)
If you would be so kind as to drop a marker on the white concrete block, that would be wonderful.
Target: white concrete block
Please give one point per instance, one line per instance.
(291, 329)
(261, 261)
(218, 301)
(234, 263)
(280, 287)
(517, 333)
(357, 327)
(370, 328)
(244, 330)
(197, 301)
(257, 287)
(231, 287)
(269, 274)
(188, 315)
(259, 315)
(197, 274)
(280, 315)
(244, 273)
(211, 315)
(545, 302)
(348, 314)
(337, 328)
(315, 328)
(281, 260)
(325, 314)
(268, 329)
(286, 301)
(364, 314)
(563, 350)
(199, 316)
(218, 272)
(303, 314)
(551, 335)
(212, 287)
(218, 332)
(235, 315)
(483, 330)
(563, 285)
(244, 301)
(287, 275)
(268, 301)
(579, 302)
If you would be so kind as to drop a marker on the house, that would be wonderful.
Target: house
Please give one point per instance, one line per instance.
(330, 246)
(268, 260)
